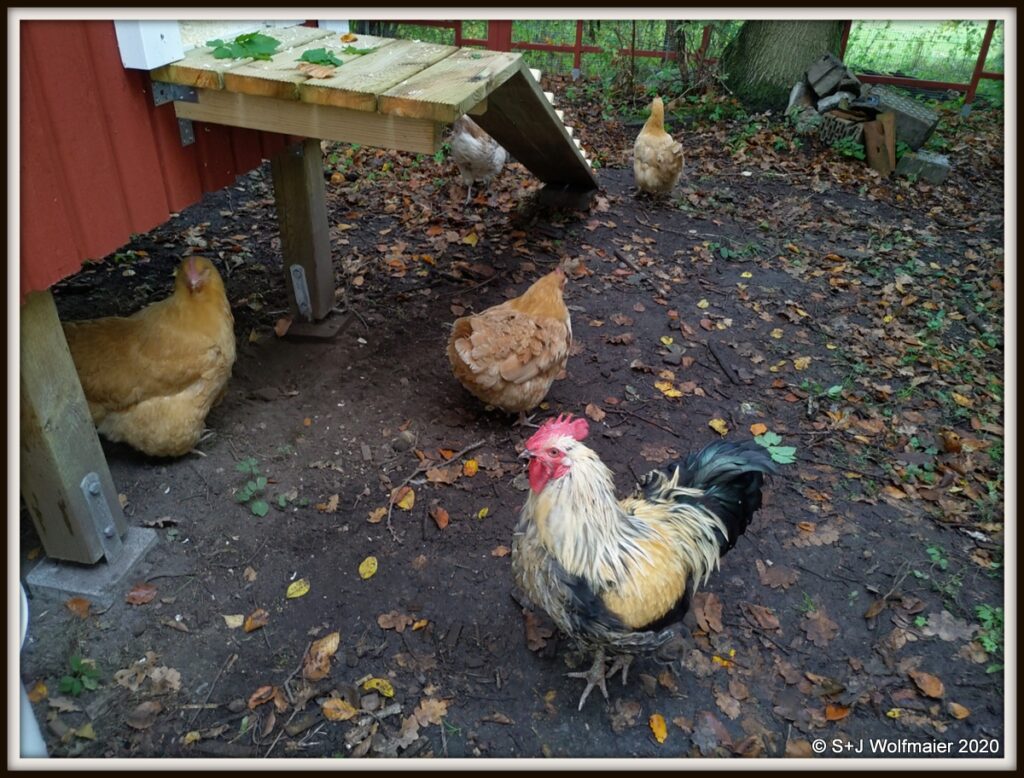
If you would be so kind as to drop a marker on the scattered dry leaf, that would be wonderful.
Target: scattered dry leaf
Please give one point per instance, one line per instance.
(958, 711)
(317, 662)
(928, 683)
(820, 628)
(500, 551)
(330, 506)
(144, 715)
(141, 593)
(658, 727)
(37, 692)
(430, 711)
(79, 606)
(337, 709)
(536, 634)
(258, 618)
(377, 515)
(394, 620)
(233, 621)
(297, 588)
(381, 685)
(368, 567)
(440, 516)
(719, 426)
(594, 412)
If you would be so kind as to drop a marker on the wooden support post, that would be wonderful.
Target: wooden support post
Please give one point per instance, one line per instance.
(59, 445)
(302, 219)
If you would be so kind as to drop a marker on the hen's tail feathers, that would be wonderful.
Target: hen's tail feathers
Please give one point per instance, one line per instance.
(731, 476)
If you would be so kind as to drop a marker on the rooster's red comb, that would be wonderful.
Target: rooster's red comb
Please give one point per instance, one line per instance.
(577, 429)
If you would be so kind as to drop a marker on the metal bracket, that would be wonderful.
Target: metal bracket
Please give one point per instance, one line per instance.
(102, 518)
(186, 131)
(301, 291)
(164, 93)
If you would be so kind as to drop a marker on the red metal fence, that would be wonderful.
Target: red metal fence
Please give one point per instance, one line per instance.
(499, 38)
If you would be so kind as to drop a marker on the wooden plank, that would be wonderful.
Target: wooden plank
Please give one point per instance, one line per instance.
(280, 76)
(522, 120)
(201, 69)
(447, 90)
(302, 219)
(356, 84)
(313, 121)
(59, 445)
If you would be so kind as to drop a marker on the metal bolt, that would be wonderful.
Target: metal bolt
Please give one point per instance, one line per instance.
(94, 488)
(108, 532)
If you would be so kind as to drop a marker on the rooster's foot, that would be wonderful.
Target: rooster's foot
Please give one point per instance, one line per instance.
(621, 662)
(595, 676)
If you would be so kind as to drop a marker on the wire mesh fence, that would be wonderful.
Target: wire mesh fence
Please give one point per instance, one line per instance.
(930, 50)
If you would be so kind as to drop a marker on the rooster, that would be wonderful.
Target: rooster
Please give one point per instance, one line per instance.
(657, 157)
(151, 378)
(510, 354)
(616, 575)
(478, 156)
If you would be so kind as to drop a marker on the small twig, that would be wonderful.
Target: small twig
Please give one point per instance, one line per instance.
(730, 373)
(637, 269)
(424, 467)
(226, 666)
(644, 419)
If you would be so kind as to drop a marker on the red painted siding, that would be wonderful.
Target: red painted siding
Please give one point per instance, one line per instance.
(99, 161)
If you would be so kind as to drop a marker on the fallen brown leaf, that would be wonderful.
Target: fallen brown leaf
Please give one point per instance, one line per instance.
(143, 716)
(819, 627)
(394, 620)
(258, 618)
(317, 662)
(536, 635)
(79, 606)
(141, 593)
(928, 683)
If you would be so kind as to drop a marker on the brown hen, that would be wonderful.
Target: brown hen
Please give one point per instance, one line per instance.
(509, 355)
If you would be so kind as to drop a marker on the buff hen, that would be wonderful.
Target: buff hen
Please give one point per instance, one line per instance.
(657, 156)
(151, 378)
(509, 355)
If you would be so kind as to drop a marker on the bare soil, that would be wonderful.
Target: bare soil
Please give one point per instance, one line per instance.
(859, 319)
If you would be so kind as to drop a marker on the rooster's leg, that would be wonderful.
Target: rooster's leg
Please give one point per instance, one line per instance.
(594, 677)
(621, 662)
(469, 192)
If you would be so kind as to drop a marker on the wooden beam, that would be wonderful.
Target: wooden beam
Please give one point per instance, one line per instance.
(356, 84)
(201, 69)
(447, 90)
(280, 76)
(59, 445)
(312, 121)
(522, 120)
(305, 236)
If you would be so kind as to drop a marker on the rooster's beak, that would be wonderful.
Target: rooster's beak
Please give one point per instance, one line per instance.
(526, 454)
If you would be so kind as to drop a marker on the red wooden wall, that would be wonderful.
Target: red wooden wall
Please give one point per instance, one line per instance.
(98, 160)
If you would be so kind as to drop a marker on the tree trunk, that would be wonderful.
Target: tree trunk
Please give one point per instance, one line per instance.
(766, 58)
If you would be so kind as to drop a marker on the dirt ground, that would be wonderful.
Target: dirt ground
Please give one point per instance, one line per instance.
(859, 319)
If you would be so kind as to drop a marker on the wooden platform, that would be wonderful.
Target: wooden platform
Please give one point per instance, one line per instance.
(388, 93)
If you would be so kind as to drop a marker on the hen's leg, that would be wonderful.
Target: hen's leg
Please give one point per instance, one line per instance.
(469, 192)
(523, 420)
(594, 677)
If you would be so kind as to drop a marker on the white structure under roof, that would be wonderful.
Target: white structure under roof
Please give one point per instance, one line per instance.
(150, 44)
